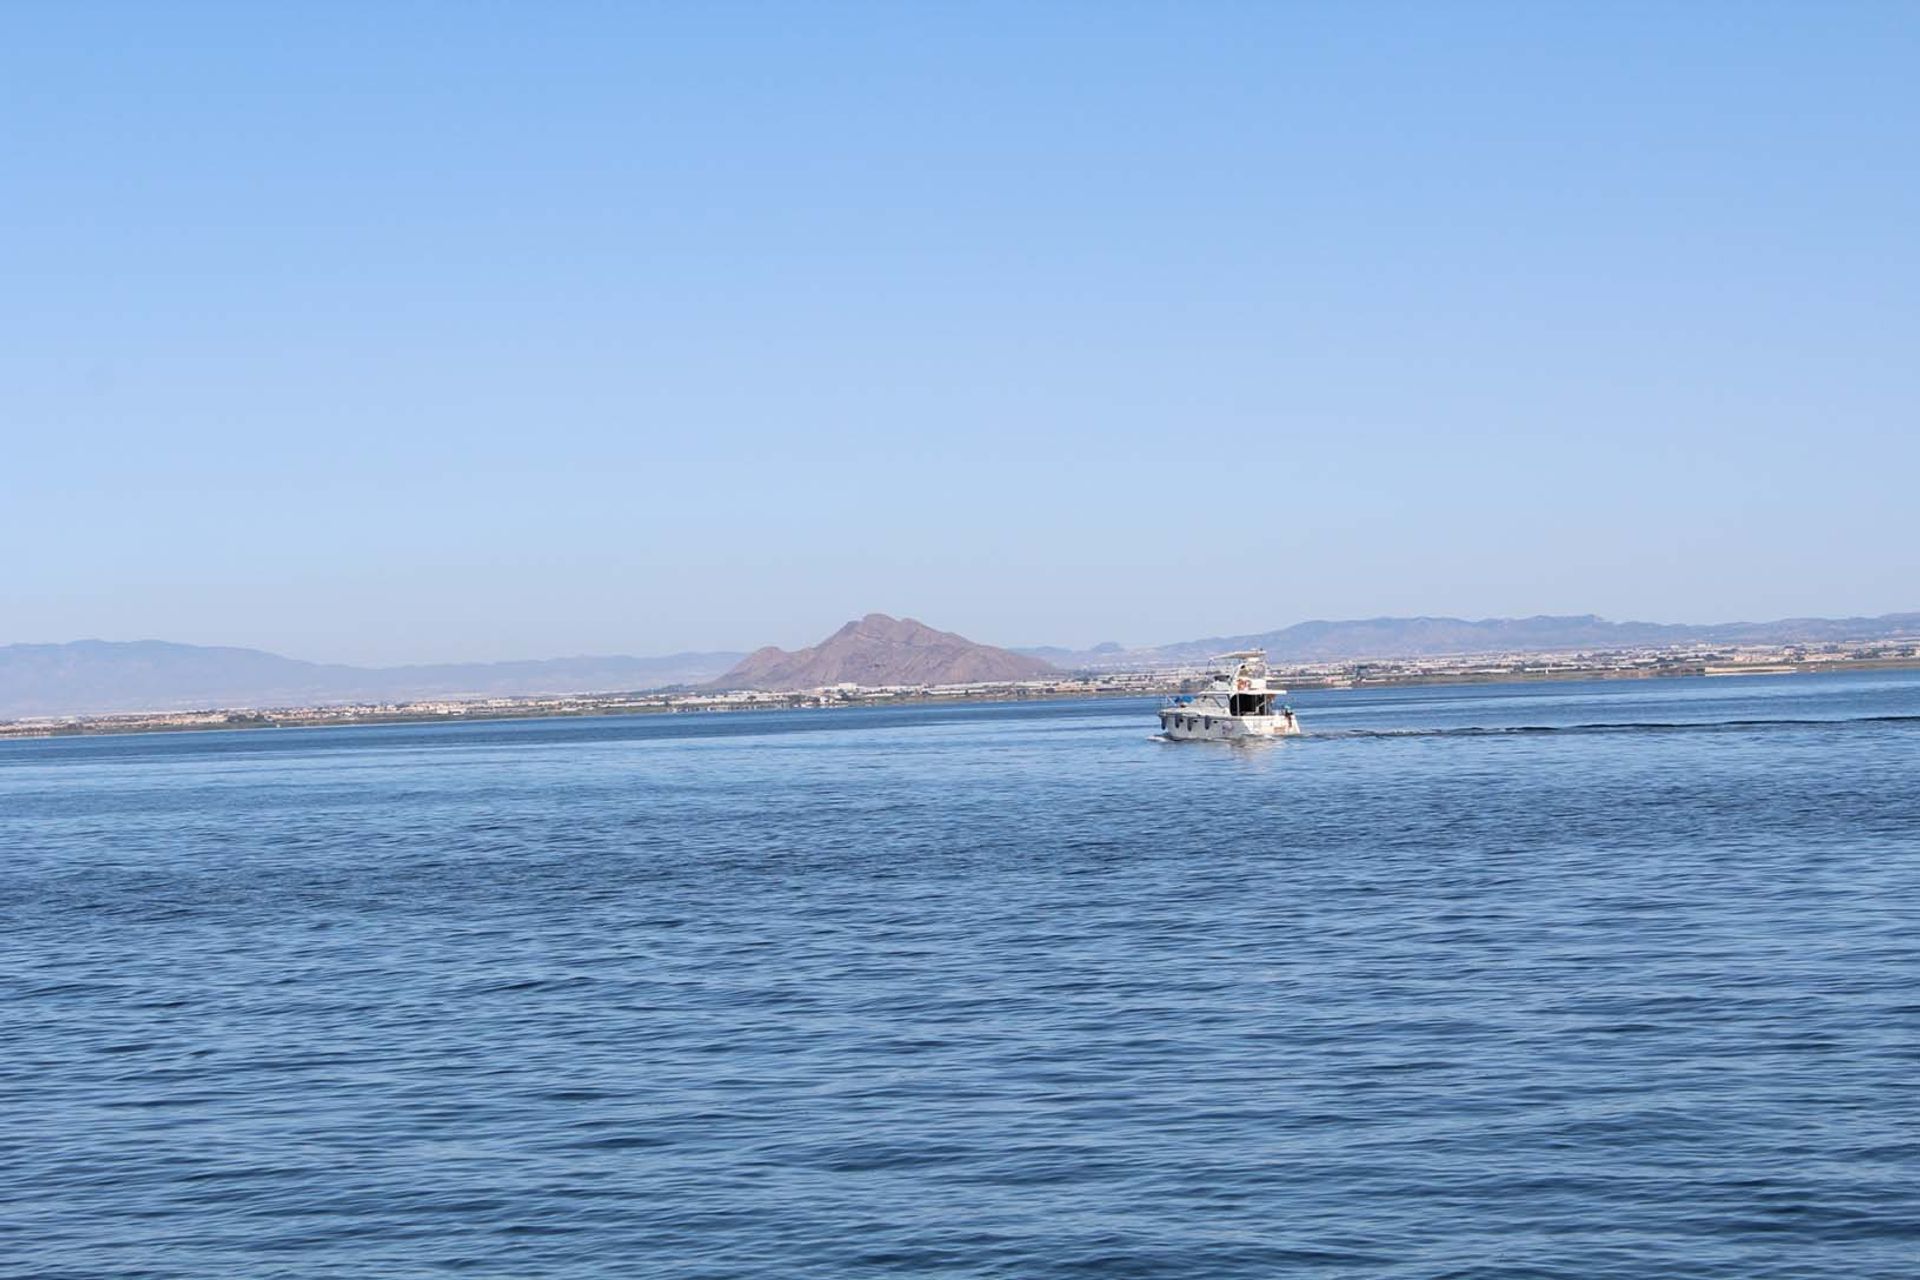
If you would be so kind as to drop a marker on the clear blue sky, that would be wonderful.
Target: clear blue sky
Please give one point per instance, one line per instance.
(391, 332)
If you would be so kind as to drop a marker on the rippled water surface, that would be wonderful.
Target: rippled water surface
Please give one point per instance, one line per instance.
(1610, 980)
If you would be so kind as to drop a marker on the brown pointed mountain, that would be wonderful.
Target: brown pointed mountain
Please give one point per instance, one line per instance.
(878, 650)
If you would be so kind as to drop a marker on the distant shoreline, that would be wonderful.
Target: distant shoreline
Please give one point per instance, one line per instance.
(605, 706)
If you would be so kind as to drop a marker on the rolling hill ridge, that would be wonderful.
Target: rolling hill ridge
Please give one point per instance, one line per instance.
(1370, 638)
(97, 677)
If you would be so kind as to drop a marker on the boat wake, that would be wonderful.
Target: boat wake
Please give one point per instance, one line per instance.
(1617, 726)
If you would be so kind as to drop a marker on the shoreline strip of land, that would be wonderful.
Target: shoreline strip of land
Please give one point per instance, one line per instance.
(1467, 670)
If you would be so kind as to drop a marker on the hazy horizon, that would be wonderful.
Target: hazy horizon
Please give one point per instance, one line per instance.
(1017, 644)
(429, 335)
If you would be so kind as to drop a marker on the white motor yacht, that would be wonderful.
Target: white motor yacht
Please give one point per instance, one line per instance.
(1237, 704)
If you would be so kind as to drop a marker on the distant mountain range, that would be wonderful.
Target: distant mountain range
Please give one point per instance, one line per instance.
(93, 677)
(1435, 637)
(879, 650)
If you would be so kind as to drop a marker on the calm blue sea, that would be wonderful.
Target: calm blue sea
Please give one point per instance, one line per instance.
(1576, 980)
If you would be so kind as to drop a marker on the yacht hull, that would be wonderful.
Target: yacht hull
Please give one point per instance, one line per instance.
(1183, 725)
